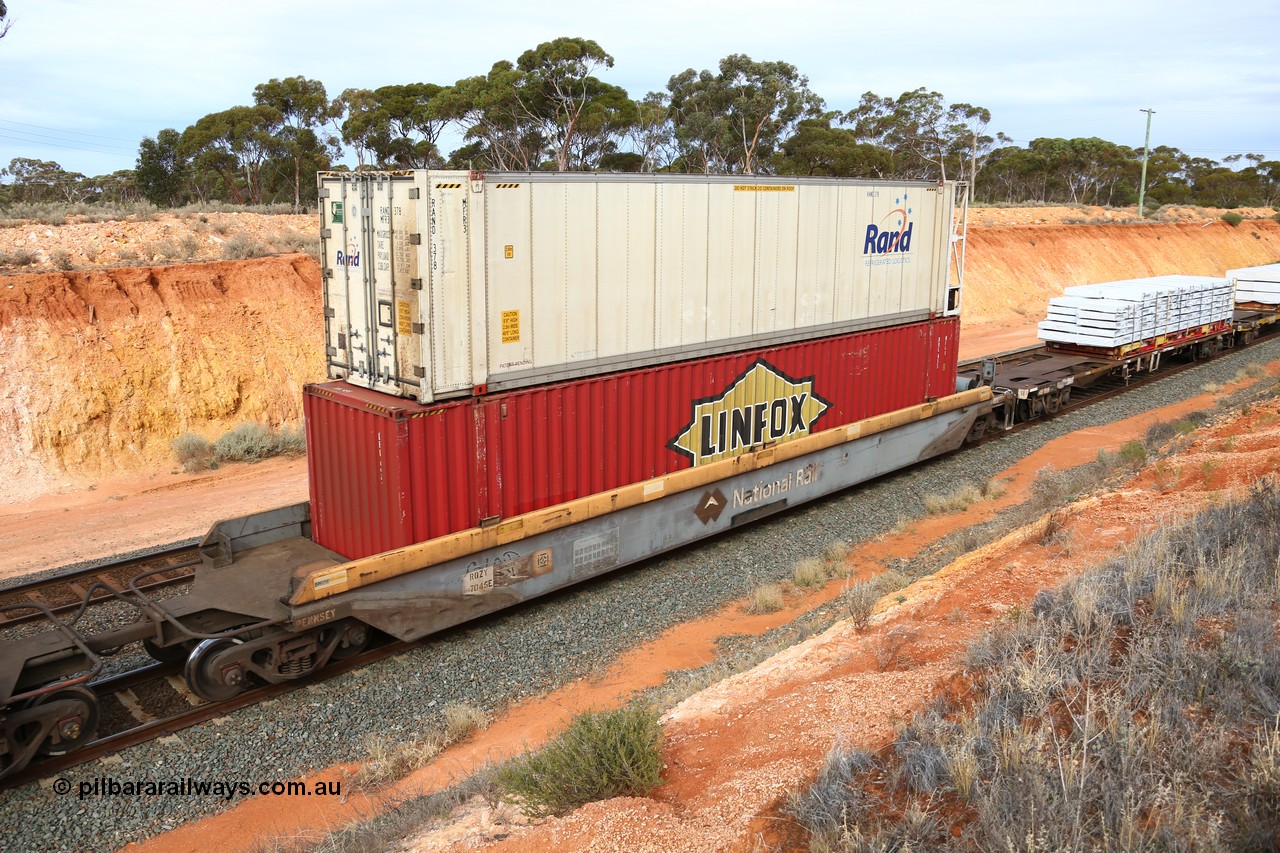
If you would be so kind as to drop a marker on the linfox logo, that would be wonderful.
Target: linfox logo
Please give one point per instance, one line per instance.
(896, 237)
(351, 258)
(762, 405)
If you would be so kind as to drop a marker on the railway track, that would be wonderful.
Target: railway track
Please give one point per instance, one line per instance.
(65, 593)
(153, 701)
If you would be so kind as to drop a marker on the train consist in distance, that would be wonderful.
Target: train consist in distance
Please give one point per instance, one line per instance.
(538, 379)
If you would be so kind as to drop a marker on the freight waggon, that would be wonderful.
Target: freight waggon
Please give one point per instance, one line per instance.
(538, 379)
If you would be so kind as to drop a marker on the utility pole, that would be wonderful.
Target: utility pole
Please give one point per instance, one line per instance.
(1146, 146)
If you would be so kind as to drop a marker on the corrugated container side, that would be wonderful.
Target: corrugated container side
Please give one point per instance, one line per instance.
(384, 472)
(387, 472)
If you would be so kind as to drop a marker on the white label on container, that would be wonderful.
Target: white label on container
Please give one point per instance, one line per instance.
(477, 581)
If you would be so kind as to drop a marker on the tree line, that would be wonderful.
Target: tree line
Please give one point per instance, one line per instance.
(549, 111)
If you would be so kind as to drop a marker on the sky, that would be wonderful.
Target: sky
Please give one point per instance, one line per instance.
(83, 81)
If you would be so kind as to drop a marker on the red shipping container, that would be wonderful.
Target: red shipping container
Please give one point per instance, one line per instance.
(386, 472)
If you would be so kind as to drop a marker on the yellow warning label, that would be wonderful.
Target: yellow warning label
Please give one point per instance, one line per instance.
(764, 188)
(404, 317)
(511, 327)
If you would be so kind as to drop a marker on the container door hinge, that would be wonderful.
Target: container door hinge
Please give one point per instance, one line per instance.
(330, 350)
(326, 233)
(328, 272)
(420, 372)
(324, 192)
(329, 312)
(413, 193)
(415, 239)
(418, 328)
(415, 283)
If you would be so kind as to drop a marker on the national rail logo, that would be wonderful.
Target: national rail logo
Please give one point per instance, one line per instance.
(762, 405)
(892, 236)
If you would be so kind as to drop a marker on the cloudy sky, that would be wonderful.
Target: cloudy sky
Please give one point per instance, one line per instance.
(82, 81)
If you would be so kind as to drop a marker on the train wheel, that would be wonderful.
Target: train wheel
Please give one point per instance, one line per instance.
(354, 639)
(74, 726)
(207, 678)
(1052, 403)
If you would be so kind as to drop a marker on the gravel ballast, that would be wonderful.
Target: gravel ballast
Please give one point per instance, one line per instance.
(524, 652)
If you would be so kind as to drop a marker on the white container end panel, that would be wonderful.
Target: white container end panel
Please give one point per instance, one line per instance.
(375, 325)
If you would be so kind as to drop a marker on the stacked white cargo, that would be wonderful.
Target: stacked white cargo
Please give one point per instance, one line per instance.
(1257, 285)
(1124, 312)
(442, 284)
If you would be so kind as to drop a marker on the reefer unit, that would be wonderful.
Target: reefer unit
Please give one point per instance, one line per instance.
(1257, 285)
(386, 472)
(438, 285)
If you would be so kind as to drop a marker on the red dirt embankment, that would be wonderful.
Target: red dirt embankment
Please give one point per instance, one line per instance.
(101, 369)
(1011, 272)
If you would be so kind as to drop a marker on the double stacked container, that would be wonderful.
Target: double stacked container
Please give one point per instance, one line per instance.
(505, 343)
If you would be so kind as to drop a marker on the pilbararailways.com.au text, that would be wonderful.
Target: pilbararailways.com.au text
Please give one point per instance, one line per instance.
(227, 789)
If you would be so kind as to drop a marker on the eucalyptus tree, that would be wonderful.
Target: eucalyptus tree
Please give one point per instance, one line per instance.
(734, 120)
(304, 108)
(817, 148)
(546, 106)
(923, 133)
(43, 180)
(236, 144)
(399, 125)
(652, 134)
(494, 121)
(160, 174)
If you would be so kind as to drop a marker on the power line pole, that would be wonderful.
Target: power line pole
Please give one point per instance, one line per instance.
(1146, 146)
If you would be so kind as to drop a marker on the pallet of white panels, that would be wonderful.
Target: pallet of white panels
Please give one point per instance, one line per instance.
(1257, 285)
(1139, 315)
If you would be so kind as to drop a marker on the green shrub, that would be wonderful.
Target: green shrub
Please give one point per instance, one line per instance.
(18, 258)
(193, 451)
(1232, 218)
(1133, 453)
(599, 755)
(255, 442)
(240, 247)
(189, 244)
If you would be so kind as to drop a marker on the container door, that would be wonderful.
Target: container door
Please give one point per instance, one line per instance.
(373, 321)
(447, 256)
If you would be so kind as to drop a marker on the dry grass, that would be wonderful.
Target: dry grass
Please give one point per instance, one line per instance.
(389, 758)
(765, 599)
(811, 571)
(958, 500)
(1135, 708)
